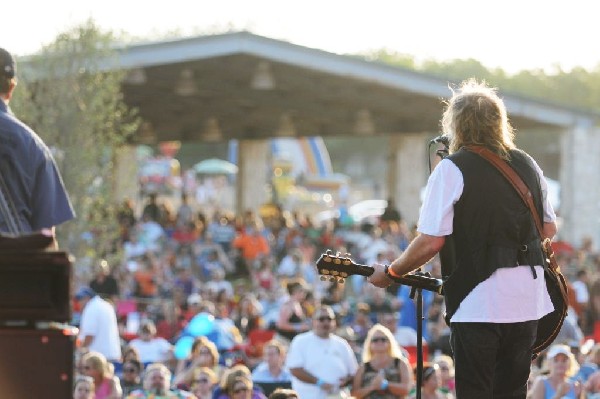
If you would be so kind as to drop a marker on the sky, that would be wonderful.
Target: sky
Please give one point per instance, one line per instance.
(511, 34)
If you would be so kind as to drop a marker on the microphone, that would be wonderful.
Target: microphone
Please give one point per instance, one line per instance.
(445, 140)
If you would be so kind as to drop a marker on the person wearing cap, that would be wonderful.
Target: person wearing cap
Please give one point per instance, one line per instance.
(98, 329)
(31, 182)
(558, 383)
(104, 283)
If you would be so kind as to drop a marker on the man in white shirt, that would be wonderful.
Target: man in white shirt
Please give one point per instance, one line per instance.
(496, 292)
(151, 348)
(98, 329)
(321, 362)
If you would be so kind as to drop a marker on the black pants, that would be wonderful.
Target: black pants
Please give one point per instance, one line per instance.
(492, 360)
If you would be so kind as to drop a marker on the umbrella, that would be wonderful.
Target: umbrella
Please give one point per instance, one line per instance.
(215, 166)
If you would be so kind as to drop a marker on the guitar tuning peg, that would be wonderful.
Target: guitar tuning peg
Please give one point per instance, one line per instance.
(323, 278)
(341, 281)
(332, 279)
(347, 255)
(328, 252)
(338, 254)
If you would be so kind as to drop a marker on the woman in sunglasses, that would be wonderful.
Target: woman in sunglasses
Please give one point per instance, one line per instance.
(204, 383)
(236, 380)
(385, 372)
(131, 378)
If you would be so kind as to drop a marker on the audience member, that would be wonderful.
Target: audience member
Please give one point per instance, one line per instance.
(445, 364)
(151, 348)
(98, 327)
(230, 385)
(204, 383)
(106, 384)
(321, 363)
(157, 378)
(292, 318)
(281, 393)
(104, 284)
(84, 388)
(385, 372)
(204, 353)
(562, 365)
(430, 384)
(131, 378)
(272, 368)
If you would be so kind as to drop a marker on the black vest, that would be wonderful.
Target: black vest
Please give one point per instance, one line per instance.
(493, 227)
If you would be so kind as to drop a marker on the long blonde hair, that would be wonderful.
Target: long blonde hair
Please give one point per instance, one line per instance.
(394, 347)
(476, 115)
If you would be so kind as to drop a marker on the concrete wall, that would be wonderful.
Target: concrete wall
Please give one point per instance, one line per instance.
(580, 185)
(408, 173)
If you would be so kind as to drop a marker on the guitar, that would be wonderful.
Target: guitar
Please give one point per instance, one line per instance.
(336, 269)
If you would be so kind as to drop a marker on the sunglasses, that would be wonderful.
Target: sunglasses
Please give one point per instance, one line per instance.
(379, 339)
(325, 318)
(238, 390)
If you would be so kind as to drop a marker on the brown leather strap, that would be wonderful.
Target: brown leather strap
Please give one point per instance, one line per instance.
(513, 178)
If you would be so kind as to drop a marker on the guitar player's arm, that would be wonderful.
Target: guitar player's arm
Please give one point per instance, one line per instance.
(549, 229)
(420, 251)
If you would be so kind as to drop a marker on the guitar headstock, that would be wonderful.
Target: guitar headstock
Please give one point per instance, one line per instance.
(336, 268)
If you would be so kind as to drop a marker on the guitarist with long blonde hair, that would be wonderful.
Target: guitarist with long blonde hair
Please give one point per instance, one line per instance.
(496, 292)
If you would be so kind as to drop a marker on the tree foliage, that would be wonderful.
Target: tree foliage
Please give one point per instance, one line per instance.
(67, 95)
(578, 87)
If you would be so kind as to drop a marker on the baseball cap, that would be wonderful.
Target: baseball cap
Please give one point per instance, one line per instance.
(556, 350)
(84, 292)
(194, 299)
(8, 66)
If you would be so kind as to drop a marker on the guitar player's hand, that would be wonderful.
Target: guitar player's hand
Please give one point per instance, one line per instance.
(379, 278)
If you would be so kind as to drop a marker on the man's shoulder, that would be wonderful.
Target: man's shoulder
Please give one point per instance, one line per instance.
(303, 338)
(12, 128)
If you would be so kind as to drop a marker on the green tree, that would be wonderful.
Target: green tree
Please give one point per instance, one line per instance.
(70, 97)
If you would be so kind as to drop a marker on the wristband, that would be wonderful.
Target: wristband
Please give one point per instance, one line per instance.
(390, 271)
(384, 385)
(319, 382)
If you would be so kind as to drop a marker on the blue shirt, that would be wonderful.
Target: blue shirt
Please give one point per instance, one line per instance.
(32, 177)
(261, 373)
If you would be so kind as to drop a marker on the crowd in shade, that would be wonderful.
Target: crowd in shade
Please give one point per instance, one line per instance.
(232, 306)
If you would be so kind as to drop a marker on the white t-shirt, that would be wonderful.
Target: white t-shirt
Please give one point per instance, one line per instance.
(510, 294)
(156, 350)
(99, 320)
(329, 359)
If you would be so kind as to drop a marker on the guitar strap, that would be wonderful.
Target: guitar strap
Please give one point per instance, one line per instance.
(8, 210)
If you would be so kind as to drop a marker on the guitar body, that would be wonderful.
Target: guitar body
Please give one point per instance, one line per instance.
(549, 326)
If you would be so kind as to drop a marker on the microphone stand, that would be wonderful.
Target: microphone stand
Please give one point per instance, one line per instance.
(417, 292)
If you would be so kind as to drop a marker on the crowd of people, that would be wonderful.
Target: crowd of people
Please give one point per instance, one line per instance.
(253, 282)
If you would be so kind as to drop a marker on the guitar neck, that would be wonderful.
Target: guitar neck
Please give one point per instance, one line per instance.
(412, 280)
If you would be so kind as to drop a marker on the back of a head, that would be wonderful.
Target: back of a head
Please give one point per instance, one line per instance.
(476, 115)
(281, 393)
(8, 70)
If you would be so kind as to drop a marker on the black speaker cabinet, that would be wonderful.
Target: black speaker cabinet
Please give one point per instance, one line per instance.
(36, 363)
(35, 286)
